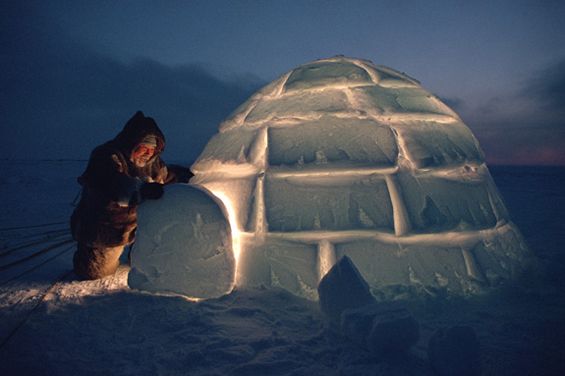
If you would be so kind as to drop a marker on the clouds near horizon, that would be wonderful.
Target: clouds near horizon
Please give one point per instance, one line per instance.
(527, 127)
(60, 98)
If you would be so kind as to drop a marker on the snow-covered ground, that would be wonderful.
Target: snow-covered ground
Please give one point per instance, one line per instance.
(52, 324)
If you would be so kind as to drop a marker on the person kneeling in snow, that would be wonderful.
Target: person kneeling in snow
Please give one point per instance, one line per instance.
(120, 174)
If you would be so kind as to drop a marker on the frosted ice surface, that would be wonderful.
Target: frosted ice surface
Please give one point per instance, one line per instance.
(183, 245)
(232, 146)
(300, 104)
(317, 75)
(343, 288)
(238, 191)
(344, 142)
(326, 203)
(400, 100)
(385, 265)
(503, 256)
(237, 118)
(279, 263)
(496, 199)
(442, 204)
(392, 78)
(434, 144)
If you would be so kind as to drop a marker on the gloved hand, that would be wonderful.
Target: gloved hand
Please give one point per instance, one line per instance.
(151, 191)
(182, 174)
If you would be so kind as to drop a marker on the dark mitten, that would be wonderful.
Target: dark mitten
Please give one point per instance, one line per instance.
(182, 174)
(151, 191)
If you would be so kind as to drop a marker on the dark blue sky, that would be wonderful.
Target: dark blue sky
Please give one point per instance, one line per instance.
(74, 71)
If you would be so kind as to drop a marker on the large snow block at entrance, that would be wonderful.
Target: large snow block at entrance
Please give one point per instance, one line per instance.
(343, 157)
(183, 245)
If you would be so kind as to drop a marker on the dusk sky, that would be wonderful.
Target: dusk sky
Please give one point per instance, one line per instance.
(74, 71)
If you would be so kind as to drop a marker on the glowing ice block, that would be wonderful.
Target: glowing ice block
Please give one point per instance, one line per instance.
(183, 245)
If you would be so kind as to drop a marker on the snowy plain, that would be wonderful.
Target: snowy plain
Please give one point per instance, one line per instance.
(52, 324)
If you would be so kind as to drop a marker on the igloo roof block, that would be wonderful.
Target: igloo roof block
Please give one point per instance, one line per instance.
(314, 75)
(342, 157)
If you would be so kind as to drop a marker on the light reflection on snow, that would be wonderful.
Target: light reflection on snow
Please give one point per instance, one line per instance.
(235, 229)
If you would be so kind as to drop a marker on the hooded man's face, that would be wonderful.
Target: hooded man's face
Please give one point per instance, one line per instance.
(142, 154)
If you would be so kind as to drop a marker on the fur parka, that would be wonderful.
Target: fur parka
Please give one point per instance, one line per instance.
(106, 215)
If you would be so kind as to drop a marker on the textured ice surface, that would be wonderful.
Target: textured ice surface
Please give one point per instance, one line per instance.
(346, 143)
(183, 245)
(400, 100)
(503, 256)
(435, 144)
(344, 157)
(232, 146)
(316, 75)
(280, 263)
(327, 203)
(390, 78)
(299, 104)
(238, 191)
(385, 265)
(435, 203)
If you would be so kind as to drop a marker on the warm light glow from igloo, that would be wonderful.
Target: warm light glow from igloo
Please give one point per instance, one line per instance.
(234, 226)
(342, 157)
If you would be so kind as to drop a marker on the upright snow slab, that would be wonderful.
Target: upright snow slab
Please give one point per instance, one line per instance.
(342, 157)
(183, 245)
(343, 288)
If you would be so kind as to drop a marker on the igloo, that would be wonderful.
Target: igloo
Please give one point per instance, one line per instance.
(344, 157)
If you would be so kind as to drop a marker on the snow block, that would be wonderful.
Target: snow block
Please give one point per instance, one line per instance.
(400, 101)
(237, 192)
(346, 143)
(430, 144)
(328, 203)
(231, 146)
(332, 73)
(504, 256)
(437, 204)
(301, 104)
(343, 288)
(278, 263)
(183, 245)
(455, 351)
(392, 78)
(426, 268)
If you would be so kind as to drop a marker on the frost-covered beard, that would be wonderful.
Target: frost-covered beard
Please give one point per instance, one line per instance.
(139, 162)
(142, 154)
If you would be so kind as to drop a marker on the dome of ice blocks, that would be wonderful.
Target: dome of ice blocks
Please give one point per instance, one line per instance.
(344, 157)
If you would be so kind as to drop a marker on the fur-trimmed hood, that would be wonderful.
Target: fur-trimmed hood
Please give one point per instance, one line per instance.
(135, 130)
